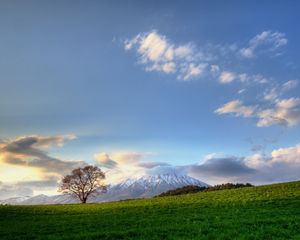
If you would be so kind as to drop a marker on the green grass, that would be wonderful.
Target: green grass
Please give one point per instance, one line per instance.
(266, 212)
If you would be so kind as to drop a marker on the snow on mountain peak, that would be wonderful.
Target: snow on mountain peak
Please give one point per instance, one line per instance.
(171, 179)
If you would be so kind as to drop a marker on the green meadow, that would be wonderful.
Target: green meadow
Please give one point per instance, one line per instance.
(264, 212)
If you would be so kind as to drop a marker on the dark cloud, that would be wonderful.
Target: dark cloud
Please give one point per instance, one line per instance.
(48, 183)
(222, 167)
(277, 172)
(105, 160)
(280, 165)
(152, 164)
(25, 152)
(23, 146)
(168, 169)
(257, 148)
(25, 188)
(30, 145)
(12, 190)
(109, 163)
(45, 162)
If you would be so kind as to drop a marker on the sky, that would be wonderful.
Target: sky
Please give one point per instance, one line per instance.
(205, 88)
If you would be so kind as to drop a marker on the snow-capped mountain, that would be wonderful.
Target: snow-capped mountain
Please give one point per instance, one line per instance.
(147, 186)
(139, 187)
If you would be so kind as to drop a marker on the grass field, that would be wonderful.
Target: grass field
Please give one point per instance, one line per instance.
(266, 212)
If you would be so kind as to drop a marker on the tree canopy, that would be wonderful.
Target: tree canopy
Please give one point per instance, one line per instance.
(83, 183)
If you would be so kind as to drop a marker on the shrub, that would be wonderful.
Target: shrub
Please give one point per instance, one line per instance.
(194, 189)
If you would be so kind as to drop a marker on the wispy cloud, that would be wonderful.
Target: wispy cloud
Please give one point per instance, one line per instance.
(265, 41)
(214, 69)
(191, 71)
(237, 108)
(227, 77)
(289, 85)
(274, 93)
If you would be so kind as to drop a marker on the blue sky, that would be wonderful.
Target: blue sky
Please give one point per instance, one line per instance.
(169, 82)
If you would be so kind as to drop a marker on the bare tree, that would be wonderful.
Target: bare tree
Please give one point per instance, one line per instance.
(83, 183)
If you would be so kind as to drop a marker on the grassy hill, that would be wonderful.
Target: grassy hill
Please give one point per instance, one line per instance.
(265, 212)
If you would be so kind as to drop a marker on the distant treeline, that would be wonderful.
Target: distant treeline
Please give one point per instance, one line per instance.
(194, 189)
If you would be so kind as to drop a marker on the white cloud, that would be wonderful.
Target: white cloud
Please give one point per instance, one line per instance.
(244, 77)
(241, 91)
(289, 85)
(104, 160)
(255, 161)
(158, 54)
(268, 40)
(259, 79)
(286, 112)
(214, 69)
(184, 52)
(126, 164)
(288, 103)
(169, 67)
(283, 156)
(281, 164)
(247, 52)
(237, 108)
(227, 77)
(153, 47)
(192, 71)
(286, 155)
(274, 93)
(271, 95)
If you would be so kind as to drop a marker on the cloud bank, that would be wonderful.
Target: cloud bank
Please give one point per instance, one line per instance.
(27, 153)
(281, 164)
